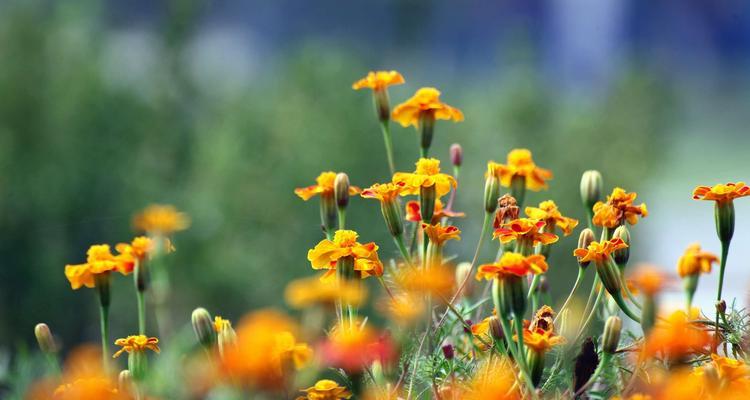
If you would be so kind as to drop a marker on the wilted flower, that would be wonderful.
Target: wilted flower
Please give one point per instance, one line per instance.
(617, 209)
(426, 174)
(520, 164)
(325, 389)
(550, 214)
(327, 253)
(425, 101)
(161, 219)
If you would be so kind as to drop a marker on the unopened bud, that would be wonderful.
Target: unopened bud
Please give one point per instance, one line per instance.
(457, 154)
(591, 188)
(584, 240)
(721, 306)
(203, 327)
(341, 190)
(496, 328)
(621, 256)
(491, 189)
(44, 338)
(125, 381)
(611, 336)
(448, 351)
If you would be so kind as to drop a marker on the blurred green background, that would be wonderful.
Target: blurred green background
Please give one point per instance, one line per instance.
(223, 108)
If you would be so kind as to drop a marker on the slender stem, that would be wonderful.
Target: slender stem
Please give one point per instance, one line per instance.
(722, 267)
(402, 249)
(520, 358)
(579, 278)
(104, 325)
(625, 308)
(590, 316)
(532, 287)
(518, 322)
(141, 298)
(342, 217)
(386, 128)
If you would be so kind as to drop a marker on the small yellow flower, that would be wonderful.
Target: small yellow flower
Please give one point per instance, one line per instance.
(327, 253)
(378, 80)
(618, 209)
(520, 163)
(384, 192)
(426, 174)
(326, 389)
(137, 343)
(439, 234)
(221, 324)
(550, 214)
(161, 219)
(599, 252)
(513, 264)
(426, 100)
(139, 249)
(695, 261)
(323, 186)
(525, 229)
(721, 193)
(99, 260)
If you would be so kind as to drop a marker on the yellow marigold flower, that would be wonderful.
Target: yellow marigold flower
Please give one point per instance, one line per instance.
(383, 191)
(438, 280)
(313, 291)
(414, 214)
(730, 369)
(162, 219)
(721, 193)
(439, 234)
(495, 379)
(524, 229)
(220, 324)
(139, 249)
(550, 214)
(618, 209)
(520, 163)
(426, 100)
(649, 280)
(378, 80)
(323, 186)
(326, 389)
(487, 331)
(99, 260)
(676, 337)
(540, 340)
(137, 343)
(325, 255)
(695, 261)
(426, 174)
(599, 252)
(513, 264)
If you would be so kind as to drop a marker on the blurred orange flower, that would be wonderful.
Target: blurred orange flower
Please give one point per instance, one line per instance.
(495, 379)
(323, 186)
(354, 347)
(308, 292)
(721, 193)
(378, 80)
(513, 264)
(326, 389)
(426, 100)
(649, 280)
(618, 209)
(599, 252)
(525, 229)
(404, 308)
(520, 163)
(695, 261)
(161, 219)
(677, 337)
(327, 253)
(137, 343)
(426, 174)
(550, 214)
(438, 280)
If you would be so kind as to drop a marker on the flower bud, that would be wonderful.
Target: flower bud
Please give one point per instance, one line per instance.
(621, 256)
(591, 188)
(724, 215)
(457, 154)
(611, 336)
(203, 327)
(44, 338)
(648, 314)
(491, 191)
(427, 198)
(721, 306)
(125, 381)
(448, 351)
(463, 272)
(496, 329)
(382, 105)
(341, 190)
(584, 240)
(518, 188)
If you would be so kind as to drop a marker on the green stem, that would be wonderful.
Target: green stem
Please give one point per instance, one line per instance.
(579, 278)
(386, 128)
(520, 358)
(624, 307)
(532, 287)
(141, 299)
(722, 267)
(402, 248)
(104, 325)
(342, 217)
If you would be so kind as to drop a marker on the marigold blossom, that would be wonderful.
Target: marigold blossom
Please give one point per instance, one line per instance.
(513, 264)
(676, 337)
(617, 209)
(520, 163)
(524, 229)
(137, 343)
(599, 252)
(99, 260)
(495, 379)
(695, 261)
(353, 347)
(139, 249)
(383, 191)
(324, 185)
(649, 280)
(378, 80)
(426, 174)
(161, 219)
(414, 214)
(327, 253)
(540, 340)
(425, 100)
(550, 214)
(308, 292)
(439, 233)
(721, 193)
(325, 389)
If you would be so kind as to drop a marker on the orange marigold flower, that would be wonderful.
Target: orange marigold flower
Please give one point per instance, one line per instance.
(404, 308)
(721, 193)
(323, 186)
(99, 260)
(137, 343)
(161, 219)
(599, 252)
(540, 340)
(383, 191)
(439, 234)
(730, 369)
(427, 174)
(378, 80)
(326, 389)
(413, 213)
(92, 388)
(520, 163)
(425, 100)
(550, 214)
(677, 337)
(438, 280)
(308, 292)
(695, 261)
(353, 347)
(618, 209)
(327, 253)
(525, 229)
(139, 249)
(649, 280)
(495, 379)
(513, 264)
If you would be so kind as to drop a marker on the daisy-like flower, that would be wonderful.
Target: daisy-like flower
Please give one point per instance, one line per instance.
(425, 102)
(99, 261)
(328, 253)
(695, 261)
(540, 340)
(439, 233)
(550, 214)
(427, 174)
(525, 230)
(161, 219)
(599, 252)
(618, 209)
(414, 215)
(513, 264)
(384, 192)
(721, 193)
(520, 164)
(137, 343)
(325, 389)
(324, 186)
(379, 80)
